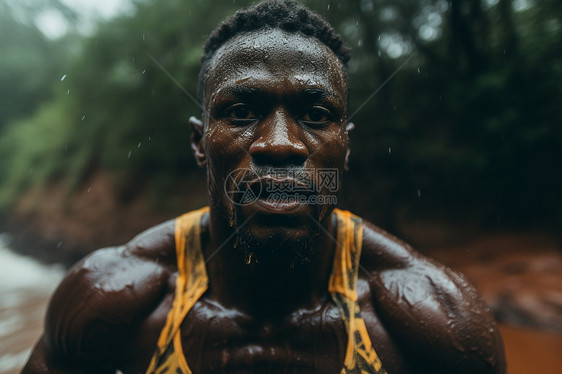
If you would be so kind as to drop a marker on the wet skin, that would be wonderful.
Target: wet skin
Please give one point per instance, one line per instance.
(272, 100)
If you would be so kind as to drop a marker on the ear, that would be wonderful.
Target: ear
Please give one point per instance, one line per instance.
(348, 128)
(197, 141)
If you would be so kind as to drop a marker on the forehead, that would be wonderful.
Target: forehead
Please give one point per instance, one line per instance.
(277, 59)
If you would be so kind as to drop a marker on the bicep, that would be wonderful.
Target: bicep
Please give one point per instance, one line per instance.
(95, 312)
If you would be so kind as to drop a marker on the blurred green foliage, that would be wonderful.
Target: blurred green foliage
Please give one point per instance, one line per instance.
(29, 64)
(468, 127)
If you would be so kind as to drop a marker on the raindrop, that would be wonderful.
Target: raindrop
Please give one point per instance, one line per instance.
(419, 192)
(138, 146)
(419, 71)
(144, 71)
(328, 6)
(379, 53)
(89, 188)
(59, 244)
(63, 78)
(68, 92)
(143, 37)
(83, 117)
(130, 152)
(149, 138)
(389, 150)
(360, 43)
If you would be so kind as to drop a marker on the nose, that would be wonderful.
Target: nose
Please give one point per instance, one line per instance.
(278, 142)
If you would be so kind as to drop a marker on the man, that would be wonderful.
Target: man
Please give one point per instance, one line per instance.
(271, 278)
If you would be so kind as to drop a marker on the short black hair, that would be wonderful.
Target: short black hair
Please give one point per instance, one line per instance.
(286, 15)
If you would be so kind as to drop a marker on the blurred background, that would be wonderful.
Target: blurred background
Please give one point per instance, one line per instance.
(457, 146)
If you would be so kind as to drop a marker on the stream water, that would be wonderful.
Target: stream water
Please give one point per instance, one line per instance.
(25, 287)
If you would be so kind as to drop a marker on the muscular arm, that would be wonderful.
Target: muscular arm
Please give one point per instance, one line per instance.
(95, 312)
(433, 314)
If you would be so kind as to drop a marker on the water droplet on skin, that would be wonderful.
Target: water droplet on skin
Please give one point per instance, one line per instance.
(248, 259)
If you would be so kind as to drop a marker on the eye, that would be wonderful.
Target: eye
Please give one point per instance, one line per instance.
(316, 115)
(240, 113)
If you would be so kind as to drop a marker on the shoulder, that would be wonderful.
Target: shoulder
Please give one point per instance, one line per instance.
(432, 312)
(94, 313)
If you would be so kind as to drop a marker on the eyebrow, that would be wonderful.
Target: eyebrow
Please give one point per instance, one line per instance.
(308, 94)
(316, 93)
(241, 91)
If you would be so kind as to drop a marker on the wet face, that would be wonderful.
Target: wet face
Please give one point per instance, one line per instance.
(275, 138)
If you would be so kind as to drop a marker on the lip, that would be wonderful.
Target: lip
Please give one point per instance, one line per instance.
(279, 206)
(263, 181)
(266, 201)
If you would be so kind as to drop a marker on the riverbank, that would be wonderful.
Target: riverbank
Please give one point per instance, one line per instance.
(518, 273)
(57, 224)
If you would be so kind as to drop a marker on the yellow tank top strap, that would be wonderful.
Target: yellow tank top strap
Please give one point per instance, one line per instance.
(360, 357)
(191, 284)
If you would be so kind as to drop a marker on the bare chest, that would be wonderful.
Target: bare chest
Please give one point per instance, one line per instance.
(219, 340)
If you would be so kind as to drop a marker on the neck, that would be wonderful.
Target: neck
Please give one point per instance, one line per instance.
(259, 288)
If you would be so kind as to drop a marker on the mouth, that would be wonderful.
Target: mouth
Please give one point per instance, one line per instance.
(285, 196)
